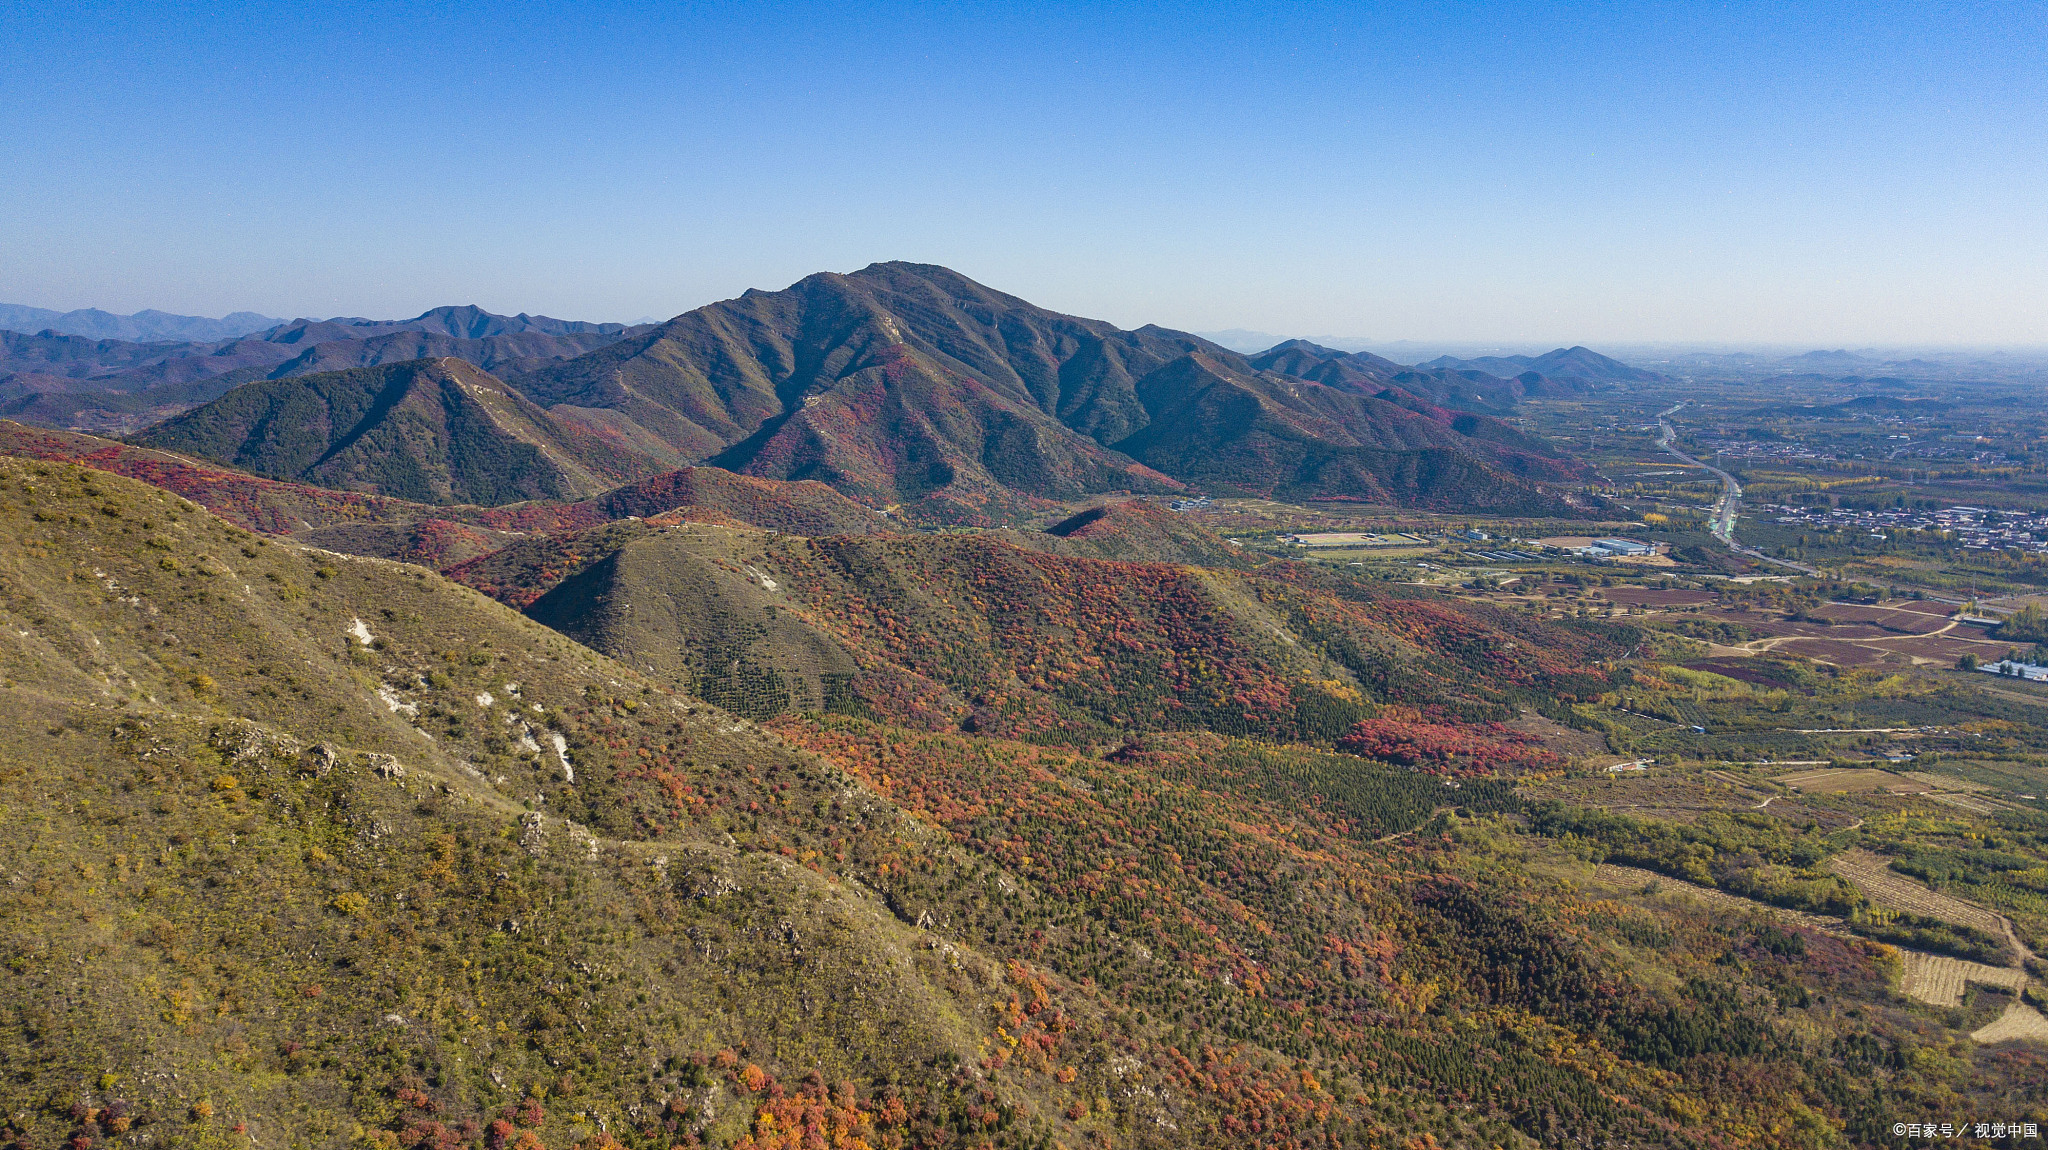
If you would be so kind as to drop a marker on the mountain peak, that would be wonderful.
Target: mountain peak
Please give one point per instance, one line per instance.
(910, 383)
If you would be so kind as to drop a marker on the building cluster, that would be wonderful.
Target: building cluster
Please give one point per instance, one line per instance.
(1605, 548)
(1954, 448)
(1593, 549)
(1960, 449)
(1976, 528)
(1754, 449)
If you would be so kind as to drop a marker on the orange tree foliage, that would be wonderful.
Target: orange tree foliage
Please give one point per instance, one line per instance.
(1408, 737)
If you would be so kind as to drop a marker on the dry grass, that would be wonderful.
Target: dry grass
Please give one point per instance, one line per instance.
(1887, 888)
(1937, 979)
(2020, 1022)
(1975, 806)
(1841, 781)
(1947, 782)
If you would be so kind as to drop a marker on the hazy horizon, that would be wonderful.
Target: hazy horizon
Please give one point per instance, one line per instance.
(1808, 175)
(1238, 339)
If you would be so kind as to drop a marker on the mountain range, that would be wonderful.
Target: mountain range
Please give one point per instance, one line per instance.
(408, 757)
(901, 385)
(144, 326)
(910, 386)
(88, 383)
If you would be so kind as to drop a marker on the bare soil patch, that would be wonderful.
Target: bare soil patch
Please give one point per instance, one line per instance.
(1656, 597)
(1923, 607)
(1837, 652)
(1889, 619)
(1560, 738)
(1848, 780)
(1945, 648)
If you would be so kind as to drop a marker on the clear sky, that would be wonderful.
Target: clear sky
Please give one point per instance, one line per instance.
(1582, 172)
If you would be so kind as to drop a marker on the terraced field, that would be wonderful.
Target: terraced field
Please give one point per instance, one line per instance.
(1873, 875)
(2020, 1022)
(1934, 979)
(1972, 804)
(1840, 780)
(1937, 979)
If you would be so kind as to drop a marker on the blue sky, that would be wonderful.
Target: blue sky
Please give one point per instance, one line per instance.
(1785, 173)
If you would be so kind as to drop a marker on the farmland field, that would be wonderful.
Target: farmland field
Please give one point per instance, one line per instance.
(2019, 1023)
(1937, 979)
(1873, 875)
(1839, 781)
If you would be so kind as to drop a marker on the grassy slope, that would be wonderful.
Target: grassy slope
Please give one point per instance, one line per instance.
(201, 913)
(1140, 531)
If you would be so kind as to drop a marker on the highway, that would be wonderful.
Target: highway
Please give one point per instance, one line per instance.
(1721, 520)
(1728, 507)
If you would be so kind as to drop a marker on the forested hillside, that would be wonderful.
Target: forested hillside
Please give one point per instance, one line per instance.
(332, 851)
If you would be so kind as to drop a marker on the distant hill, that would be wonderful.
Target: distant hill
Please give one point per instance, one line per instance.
(1863, 405)
(1839, 357)
(506, 352)
(1563, 363)
(1225, 430)
(56, 380)
(911, 384)
(472, 322)
(143, 326)
(1352, 371)
(77, 357)
(428, 430)
(1251, 342)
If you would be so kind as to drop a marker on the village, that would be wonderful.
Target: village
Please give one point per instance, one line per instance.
(1976, 528)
